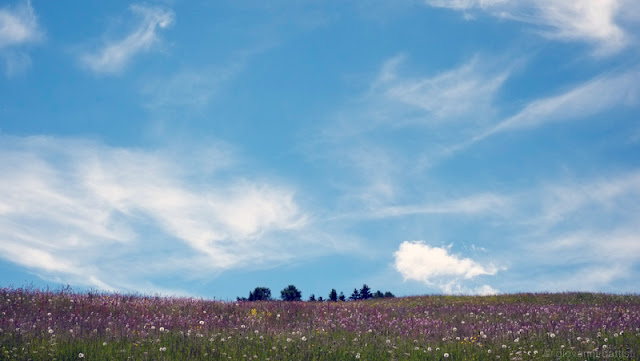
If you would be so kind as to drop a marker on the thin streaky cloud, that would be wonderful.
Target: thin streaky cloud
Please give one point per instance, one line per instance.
(453, 94)
(487, 203)
(115, 55)
(581, 20)
(587, 99)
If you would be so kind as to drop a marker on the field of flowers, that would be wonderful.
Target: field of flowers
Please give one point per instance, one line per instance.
(62, 325)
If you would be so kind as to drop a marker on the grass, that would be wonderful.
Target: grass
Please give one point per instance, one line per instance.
(62, 325)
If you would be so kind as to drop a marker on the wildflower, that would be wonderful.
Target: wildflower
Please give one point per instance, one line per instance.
(104, 343)
(161, 329)
(552, 335)
(388, 341)
(304, 338)
(163, 349)
(615, 335)
(535, 352)
(153, 327)
(80, 355)
(429, 348)
(50, 331)
(201, 323)
(358, 355)
(288, 339)
(504, 346)
(446, 355)
(489, 351)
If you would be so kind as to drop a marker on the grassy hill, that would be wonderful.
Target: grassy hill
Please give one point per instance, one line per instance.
(43, 325)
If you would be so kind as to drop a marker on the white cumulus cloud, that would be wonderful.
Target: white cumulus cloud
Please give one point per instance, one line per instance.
(115, 55)
(435, 266)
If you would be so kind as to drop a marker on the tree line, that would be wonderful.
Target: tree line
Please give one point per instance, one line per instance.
(292, 293)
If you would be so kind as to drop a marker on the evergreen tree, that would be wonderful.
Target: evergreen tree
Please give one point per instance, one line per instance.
(312, 298)
(355, 295)
(333, 295)
(378, 294)
(342, 297)
(365, 292)
(320, 299)
(389, 294)
(291, 293)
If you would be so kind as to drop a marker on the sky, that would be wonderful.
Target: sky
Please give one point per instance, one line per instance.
(205, 148)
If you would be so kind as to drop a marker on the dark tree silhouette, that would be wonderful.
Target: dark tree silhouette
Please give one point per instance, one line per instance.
(378, 294)
(333, 295)
(260, 294)
(355, 295)
(389, 294)
(342, 297)
(320, 299)
(312, 298)
(291, 293)
(365, 292)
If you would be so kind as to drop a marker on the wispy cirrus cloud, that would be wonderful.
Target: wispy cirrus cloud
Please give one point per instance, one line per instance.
(439, 109)
(592, 21)
(398, 100)
(114, 55)
(484, 203)
(599, 94)
(18, 27)
(90, 214)
(450, 95)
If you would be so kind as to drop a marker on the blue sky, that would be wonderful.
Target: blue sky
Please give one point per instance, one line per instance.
(204, 148)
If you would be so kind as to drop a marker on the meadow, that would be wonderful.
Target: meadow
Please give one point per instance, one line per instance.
(65, 325)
